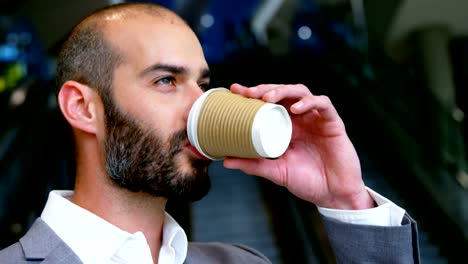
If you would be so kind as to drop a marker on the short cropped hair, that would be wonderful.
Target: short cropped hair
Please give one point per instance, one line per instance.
(88, 57)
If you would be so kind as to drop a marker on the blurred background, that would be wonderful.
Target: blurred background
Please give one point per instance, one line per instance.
(396, 70)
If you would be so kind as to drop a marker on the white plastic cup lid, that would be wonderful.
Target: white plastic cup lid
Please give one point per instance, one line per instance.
(271, 130)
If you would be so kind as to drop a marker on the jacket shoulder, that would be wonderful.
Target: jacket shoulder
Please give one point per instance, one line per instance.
(214, 252)
(39, 244)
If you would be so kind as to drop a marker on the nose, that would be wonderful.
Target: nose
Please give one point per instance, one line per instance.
(194, 93)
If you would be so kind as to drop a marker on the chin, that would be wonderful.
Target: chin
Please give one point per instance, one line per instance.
(194, 182)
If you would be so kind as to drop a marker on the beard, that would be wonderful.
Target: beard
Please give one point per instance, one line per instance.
(139, 160)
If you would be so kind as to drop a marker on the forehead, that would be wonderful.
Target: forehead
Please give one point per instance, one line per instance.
(145, 40)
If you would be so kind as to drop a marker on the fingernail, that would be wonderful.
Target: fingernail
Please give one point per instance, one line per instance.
(298, 105)
(227, 164)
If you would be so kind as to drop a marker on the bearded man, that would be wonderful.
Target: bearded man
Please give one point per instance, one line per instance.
(128, 76)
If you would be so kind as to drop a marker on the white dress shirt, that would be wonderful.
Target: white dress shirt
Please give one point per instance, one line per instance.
(94, 240)
(385, 214)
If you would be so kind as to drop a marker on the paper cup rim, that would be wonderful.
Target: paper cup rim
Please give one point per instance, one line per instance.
(192, 126)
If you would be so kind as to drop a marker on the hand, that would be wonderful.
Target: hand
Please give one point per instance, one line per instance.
(320, 165)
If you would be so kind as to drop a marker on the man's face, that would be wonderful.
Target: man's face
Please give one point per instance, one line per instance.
(145, 143)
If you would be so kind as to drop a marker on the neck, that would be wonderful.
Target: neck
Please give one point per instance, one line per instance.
(129, 211)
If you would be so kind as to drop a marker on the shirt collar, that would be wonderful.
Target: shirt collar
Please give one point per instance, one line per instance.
(95, 240)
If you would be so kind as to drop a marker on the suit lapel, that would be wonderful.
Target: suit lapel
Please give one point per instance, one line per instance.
(41, 243)
(62, 254)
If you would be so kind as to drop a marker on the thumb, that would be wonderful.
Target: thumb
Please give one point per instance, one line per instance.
(249, 166)
(264, 168)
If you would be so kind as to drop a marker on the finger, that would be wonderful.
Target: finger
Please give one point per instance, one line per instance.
(286, 92)
(255, 91)
(320, 103)
(239, 89)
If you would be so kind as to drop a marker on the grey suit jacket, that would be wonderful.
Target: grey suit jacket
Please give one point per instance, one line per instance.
(351, 244)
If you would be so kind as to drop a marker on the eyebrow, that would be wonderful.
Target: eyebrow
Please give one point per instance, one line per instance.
(205, 73)
(174, 69)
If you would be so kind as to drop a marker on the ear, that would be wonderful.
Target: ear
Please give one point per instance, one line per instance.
(79, 105)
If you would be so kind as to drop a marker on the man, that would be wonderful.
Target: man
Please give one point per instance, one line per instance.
(128, 75)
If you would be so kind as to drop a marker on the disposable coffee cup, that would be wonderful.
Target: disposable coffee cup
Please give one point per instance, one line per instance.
(223, 124)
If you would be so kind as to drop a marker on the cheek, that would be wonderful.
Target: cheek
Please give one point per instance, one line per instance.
(166, 118)
(164, 112)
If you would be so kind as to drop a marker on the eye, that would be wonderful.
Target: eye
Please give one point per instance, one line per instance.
(204, 86)
(165, 81)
